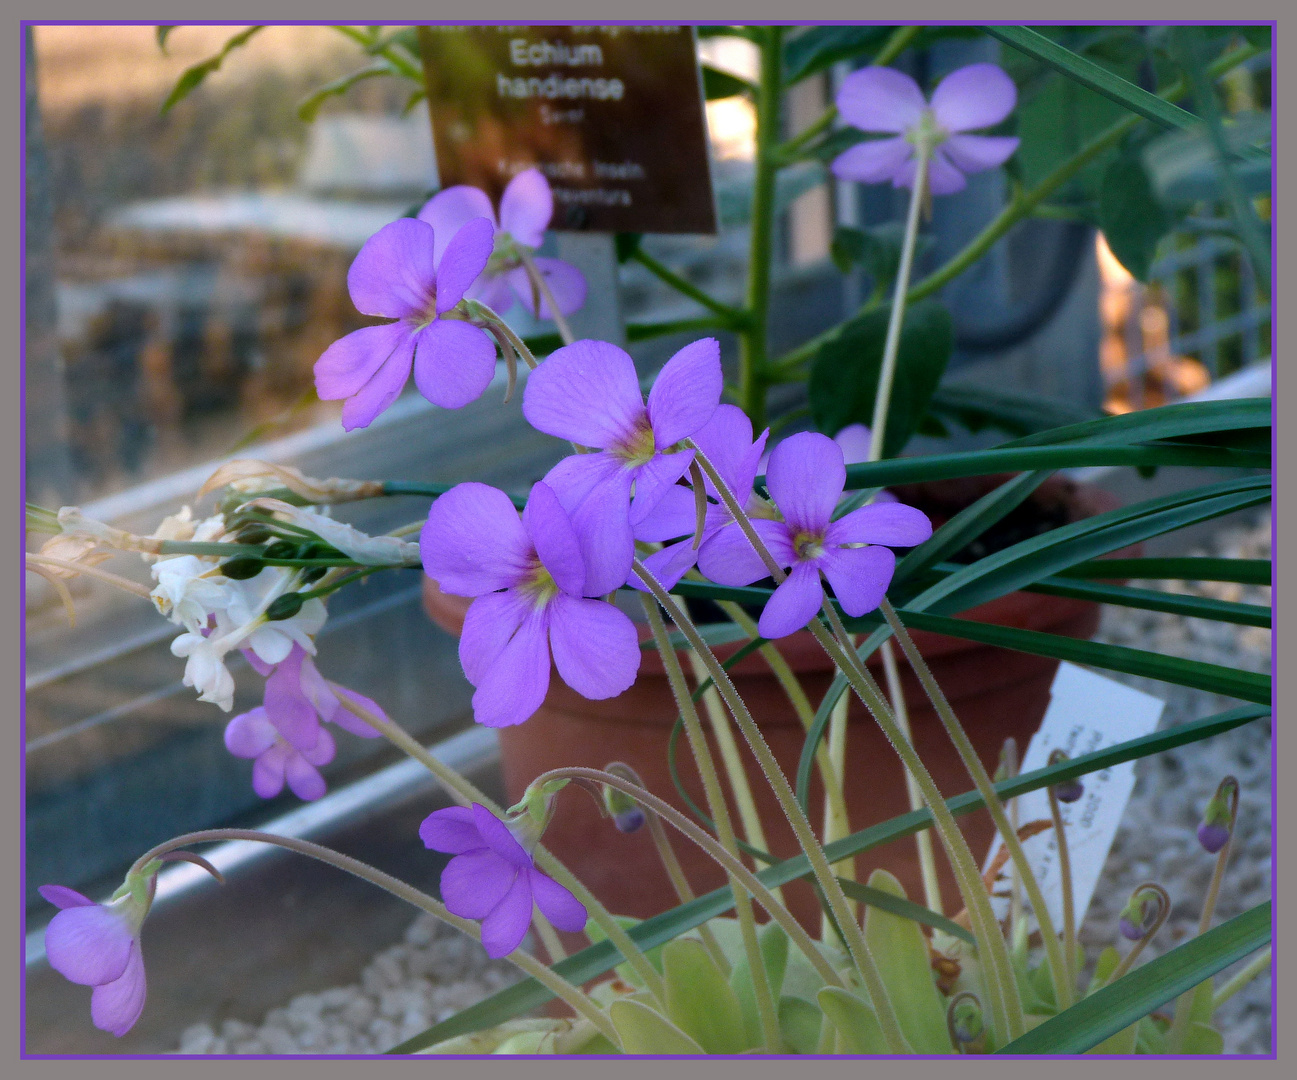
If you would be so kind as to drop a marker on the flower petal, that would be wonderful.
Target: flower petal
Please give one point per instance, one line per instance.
(806, 478)
(565, 282)
(319, 754)
(454, 363)
(506, 926)
(685, 392)
(464, 259)
(595, 491)
(473, 541)
(89, 944)
(474, 883)
(554, 538)
(495, 291)
(362, 408)
(351, 361)
(880, 99)
(489, 623)
(943, 177)
(854, 440)
(595, 646)
(498, 838)
(451, 830)
(873, 162)
(349, 721)
(558, 905)
(395, 273)
(728, 558)
(526, 207)
(287, 706)
(974, 153)
(675, 515)
(668, 566)
(859, 576)
(450, 210)
(304, 780)
(514, 686)
(250, 734)
(63, 897)
(976, 96)
(890, 523)
(726, 440)
(794, 603)
(654, 479)
(116, 1006)
(587, 392)
(268, 771)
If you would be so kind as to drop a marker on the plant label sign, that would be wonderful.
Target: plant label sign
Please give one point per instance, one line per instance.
(613, 116)
(1087, 712)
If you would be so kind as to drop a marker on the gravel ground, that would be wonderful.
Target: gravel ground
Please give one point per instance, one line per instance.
(435, 971)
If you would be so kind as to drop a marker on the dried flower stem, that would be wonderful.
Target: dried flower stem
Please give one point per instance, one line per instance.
(573, 995)
(35, 559)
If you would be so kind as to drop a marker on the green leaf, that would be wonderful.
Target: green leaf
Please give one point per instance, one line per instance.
(626, 244)
(820, 47)
(799, 1023)
(858, 1029)
(1139, 992)
(1104, 966)
(309, 106)
(836, 142)
(1094, 76)
(599, 958)
(625, 971)
(193, 76)
(878, 250)
(1016, 412)
(774, 942)
(844, 379)
(1203, 1039)
(1243, 571)
(162, 33)
(1163, 422)
(901, 953)
(644, 1031)
(721, 84)
(1194, 607)
(1131, 216)
(903, 908)
(1183, 166)
(700, 1000)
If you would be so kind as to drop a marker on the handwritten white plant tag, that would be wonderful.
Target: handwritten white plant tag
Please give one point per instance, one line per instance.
(1087, 712)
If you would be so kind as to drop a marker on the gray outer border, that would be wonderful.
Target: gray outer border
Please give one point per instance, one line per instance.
(714, 10)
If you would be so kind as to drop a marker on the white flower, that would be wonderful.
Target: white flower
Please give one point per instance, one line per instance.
(205, 668)
(188, 592)
(272, 641)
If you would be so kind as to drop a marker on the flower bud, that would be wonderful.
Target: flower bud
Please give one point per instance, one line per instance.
(1218, 819)
(284, 607)
(964, 1018)
(313, 574)
(282, 549)
(253, 533)
(1141, 915)
(625, 811)
(242, 568)
(1067, 791)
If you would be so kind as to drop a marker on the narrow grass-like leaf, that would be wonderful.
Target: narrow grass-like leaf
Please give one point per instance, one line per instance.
(906, 909)
(309, 107)
(1138, 993)
(1243, 571)
(1194, 607)
(1095, 77)
(1164, 422)
(193, 76)
(598, 959)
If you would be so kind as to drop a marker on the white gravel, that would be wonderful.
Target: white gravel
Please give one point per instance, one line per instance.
(435, 972)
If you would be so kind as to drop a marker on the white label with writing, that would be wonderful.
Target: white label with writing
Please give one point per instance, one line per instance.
(1087, 712)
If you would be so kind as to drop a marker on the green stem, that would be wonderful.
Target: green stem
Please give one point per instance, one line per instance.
(1237, 982)
(856, 945)
(553, 982)
(753, 339)
(734, 318)
(720, 813)
(468, 793)
(1065, 884)
(1058, 966)
(1129, 959)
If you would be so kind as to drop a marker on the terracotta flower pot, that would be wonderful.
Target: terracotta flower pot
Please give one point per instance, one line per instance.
(995, 692)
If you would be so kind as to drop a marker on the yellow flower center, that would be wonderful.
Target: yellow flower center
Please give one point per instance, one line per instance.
(539, 584)
(809, 546)
(639, 448)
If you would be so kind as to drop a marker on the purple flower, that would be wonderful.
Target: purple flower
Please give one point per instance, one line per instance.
(588, 392)
(99, 945)
(284, 735)
(525, 210)
(726, 440)
(1218, 819)
(806, 479)
(531, 588)
(492, 878)
(1140, 915)
(884, 99)
(400, 275)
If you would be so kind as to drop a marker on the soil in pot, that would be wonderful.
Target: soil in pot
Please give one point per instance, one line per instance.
(996, 693)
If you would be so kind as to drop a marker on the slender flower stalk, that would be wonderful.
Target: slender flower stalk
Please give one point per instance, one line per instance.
(553, 982)
(720, 813)
(542, 286)
(1065, 878)
(1058, 965)
(1245, 975)
(468, 793)
(856, 944)
(1151, 906)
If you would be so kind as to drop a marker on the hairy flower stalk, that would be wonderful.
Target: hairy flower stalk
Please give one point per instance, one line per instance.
(553, 982)
(1140, 920)
(856, 945)
(720, 814)
(1069, 791)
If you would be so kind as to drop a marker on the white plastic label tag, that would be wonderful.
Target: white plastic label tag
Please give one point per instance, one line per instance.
(1087, 712)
